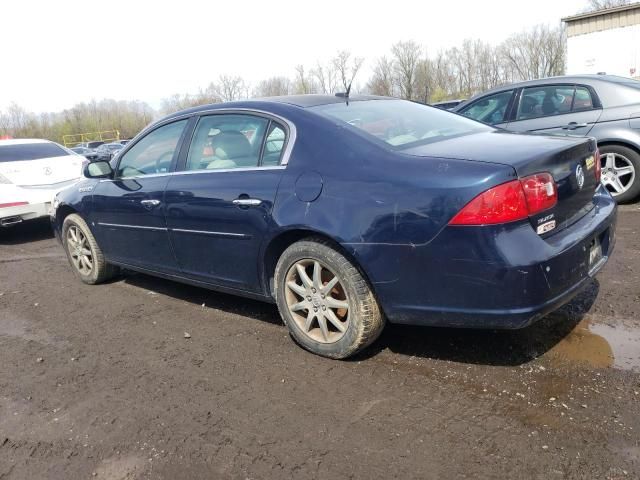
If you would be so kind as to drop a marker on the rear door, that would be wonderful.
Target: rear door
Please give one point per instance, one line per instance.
(218, 208)
(562, 109)
(128, 211)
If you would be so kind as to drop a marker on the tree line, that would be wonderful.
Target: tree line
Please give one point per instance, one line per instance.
(406, 71)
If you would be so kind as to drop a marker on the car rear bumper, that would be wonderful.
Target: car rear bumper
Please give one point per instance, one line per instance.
(39, 200)
(496, 276)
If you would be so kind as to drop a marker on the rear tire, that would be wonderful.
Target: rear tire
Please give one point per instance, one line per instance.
(324, 300)
(621, 157)
(83, 252)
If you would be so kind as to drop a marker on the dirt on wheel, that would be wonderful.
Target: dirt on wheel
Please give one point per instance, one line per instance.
(147, 378)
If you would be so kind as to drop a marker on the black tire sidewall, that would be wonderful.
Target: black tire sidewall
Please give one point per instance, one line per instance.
(634, 158)
(334, 261)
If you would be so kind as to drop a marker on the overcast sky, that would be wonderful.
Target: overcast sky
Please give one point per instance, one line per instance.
(54, 54)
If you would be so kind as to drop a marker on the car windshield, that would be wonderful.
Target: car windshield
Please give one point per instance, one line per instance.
(399, 123)
(30, 151)
(114, 147)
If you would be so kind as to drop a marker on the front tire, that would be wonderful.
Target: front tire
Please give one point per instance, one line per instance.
(83, 252)
(324, 300)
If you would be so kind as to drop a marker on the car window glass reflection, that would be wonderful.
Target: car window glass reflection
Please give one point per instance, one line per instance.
(153, 153)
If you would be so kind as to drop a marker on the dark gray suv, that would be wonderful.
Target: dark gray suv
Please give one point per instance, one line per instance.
(602, 106)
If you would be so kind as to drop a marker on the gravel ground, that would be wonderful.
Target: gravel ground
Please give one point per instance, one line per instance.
(100, 382)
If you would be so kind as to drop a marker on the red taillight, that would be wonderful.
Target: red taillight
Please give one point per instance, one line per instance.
(598, 166)
(13, 204)
(511, 201)
(541, 193)
(501, 204)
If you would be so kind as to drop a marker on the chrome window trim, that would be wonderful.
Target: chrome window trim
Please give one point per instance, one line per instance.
(191, 172)
(180, 230)
(141, 227)
(292, 131)
(207, 232)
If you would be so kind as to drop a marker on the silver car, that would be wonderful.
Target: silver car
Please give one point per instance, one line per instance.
(602, 106)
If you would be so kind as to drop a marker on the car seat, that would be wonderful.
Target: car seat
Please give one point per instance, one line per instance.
(548, 105)
(231, 150)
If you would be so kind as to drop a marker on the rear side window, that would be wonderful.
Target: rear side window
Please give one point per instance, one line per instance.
(582, 99)
(491, 109)
(273, 145)
(545, 101)
(227, 141)
(30, 151)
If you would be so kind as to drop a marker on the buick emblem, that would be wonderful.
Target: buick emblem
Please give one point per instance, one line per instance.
(580, 176)
(47, 171)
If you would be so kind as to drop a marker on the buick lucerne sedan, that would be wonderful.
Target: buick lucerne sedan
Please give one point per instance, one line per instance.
(347, 213)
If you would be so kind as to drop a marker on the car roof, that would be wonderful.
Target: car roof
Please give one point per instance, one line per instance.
(301, 101)
(586, 79)
(23, 141)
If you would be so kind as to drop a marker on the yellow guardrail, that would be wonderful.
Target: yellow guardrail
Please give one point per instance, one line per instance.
(106, 136)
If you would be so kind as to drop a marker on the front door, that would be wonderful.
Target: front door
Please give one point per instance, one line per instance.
(218, 208)
(128, 211)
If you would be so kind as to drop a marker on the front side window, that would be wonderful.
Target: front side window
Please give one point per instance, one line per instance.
(545, 101)
(491, 109)
(399, 123)
(227, 141)
(153, 153)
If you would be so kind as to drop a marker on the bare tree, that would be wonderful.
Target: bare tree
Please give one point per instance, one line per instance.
(537, 53)
(303, 83)
(325, 78)
(346, 67)
(382, 81)
(272, 87)
(406, 57)
(230, 88)
(595, 5)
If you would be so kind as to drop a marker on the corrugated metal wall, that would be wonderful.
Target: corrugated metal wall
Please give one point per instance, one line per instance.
(606, 21)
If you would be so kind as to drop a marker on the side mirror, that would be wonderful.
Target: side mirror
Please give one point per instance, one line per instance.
(98, 170)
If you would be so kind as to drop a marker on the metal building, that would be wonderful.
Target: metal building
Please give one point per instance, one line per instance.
(605, 41)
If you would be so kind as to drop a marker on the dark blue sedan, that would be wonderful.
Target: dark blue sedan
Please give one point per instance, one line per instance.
(348, 212)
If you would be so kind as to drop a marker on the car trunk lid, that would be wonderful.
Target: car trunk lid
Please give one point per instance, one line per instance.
(45, 171)
(570, 160)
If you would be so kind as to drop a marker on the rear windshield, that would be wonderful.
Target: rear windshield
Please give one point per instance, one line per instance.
(399, 123)
(30, 151)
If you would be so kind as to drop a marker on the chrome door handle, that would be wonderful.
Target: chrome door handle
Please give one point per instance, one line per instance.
(574, 125)
(247, 202)
(150, 203)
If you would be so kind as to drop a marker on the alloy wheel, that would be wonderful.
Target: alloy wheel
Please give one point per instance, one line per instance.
(618, 173)
(79, 250)
(317, 301)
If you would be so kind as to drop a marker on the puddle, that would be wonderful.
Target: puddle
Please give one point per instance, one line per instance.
(600, 345)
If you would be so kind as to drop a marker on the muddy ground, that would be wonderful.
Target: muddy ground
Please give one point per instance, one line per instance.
(99, 382)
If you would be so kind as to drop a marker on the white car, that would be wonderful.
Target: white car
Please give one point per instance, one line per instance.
(31, 173)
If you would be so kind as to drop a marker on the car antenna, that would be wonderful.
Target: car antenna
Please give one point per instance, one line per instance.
(345, 95)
